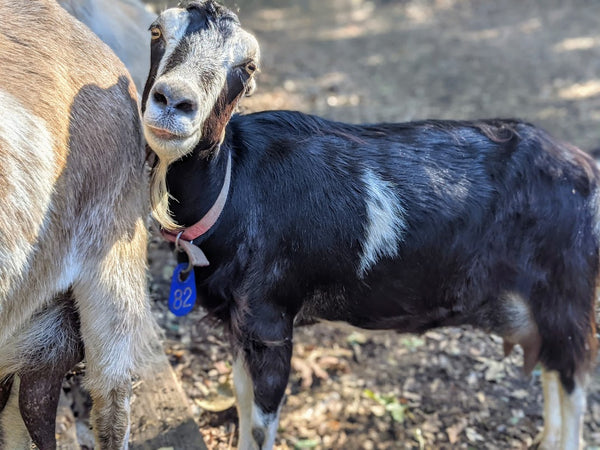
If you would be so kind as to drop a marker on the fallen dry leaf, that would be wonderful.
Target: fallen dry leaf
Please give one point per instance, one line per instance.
(454, 431)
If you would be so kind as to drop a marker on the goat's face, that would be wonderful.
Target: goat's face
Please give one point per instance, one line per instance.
(202, 63)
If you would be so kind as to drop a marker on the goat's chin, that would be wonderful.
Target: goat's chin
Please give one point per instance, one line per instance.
(172, 148)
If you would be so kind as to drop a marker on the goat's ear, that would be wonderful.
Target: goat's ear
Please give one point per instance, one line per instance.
(250, 87)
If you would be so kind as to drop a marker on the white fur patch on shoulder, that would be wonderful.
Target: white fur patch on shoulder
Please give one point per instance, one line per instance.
(385, 225)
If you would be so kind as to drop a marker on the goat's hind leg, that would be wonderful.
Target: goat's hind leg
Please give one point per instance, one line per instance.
(262, 357)
(564, 390)
(564, 408)
(573, 405)
(549, 438)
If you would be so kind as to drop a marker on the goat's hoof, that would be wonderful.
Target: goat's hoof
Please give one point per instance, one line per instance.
(546, 440)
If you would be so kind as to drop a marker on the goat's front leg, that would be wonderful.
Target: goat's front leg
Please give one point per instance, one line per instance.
(573, 405)
(118, 333)
(262, 354)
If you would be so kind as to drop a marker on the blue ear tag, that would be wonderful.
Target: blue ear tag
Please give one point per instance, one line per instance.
(183, 291)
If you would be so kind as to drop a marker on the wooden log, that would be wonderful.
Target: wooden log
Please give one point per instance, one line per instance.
(161, 417)
(160, 414)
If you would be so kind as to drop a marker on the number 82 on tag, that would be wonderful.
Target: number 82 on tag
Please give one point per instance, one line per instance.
(183, 291)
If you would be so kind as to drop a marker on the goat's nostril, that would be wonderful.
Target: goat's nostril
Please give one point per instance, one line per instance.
(186, 106)
(160, 98)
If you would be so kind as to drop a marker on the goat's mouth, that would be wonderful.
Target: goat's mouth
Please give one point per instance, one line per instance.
(163, 133)
(169, 144)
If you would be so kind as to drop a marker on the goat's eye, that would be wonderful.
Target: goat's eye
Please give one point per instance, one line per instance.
(250, 67)
(155, 33)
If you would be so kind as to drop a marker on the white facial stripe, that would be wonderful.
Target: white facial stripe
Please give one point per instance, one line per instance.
(385, 224)
(174, 23)
(204, 58)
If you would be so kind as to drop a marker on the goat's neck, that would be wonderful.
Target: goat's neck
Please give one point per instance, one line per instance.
(195, 181)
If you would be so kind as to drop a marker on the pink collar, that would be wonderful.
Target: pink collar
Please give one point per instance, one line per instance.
(205, 223)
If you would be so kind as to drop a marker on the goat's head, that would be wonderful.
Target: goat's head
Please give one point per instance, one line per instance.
(202, 63)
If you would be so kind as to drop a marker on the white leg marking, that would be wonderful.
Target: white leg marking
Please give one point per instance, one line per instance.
(550, 437)
(385, 223)
(267, 423)
(253, 421)
(245, 399)
(573, 409)
(13, 433)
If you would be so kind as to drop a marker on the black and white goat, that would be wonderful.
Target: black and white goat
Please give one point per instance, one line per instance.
(393, 226)
(72, 225)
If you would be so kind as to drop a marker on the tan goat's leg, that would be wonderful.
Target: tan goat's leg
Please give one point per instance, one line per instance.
(118, 333)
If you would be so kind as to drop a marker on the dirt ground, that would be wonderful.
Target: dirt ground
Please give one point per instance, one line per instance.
(400, 60)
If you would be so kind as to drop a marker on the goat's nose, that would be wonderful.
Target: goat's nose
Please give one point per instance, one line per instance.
(179, 98)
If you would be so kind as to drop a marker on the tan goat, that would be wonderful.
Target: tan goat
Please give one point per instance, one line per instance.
(72, 224)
